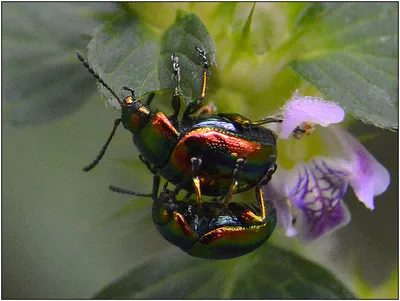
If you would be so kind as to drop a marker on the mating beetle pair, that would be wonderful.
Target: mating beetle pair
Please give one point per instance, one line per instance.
(215, 155)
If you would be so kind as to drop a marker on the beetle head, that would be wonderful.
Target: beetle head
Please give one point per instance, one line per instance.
(134, 114)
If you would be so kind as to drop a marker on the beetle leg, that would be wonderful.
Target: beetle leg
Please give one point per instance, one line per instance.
(204, 65)
(176, 78)
(206, 110)
(178, 188)
(268, 175)
(196, 105)
(235, 178)
(103, 149)
(249, 216)
(196, 162)
(156, 186)
(156, 177)
(260, 199)
(148, 165)
(276, 119)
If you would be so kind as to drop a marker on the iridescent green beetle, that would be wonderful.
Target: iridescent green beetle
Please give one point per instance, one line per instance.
(207, 154)
(215, 155)
(214, 230)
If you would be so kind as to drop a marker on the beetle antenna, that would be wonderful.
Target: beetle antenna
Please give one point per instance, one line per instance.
(126, 191)
(97, 76)
(103, 149)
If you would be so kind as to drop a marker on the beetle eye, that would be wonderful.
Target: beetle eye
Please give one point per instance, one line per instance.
(128, 100)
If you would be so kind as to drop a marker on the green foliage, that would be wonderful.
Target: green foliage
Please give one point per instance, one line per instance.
(251, 66)
(260, 54)
(181, 39)
(134, 63)
(126, 43)
(51, 84)
(241, 43)
(349, 53)
(268, 273)
(345, 50)
(387, 290)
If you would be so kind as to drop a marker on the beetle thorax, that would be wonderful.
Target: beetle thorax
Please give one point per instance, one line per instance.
(156, 139)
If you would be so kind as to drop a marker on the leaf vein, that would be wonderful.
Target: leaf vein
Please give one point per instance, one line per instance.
(376, 67)
(353, 26)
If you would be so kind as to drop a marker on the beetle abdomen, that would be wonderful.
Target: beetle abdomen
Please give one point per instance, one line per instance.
(214, 230)
(218, 151)
(229, 242)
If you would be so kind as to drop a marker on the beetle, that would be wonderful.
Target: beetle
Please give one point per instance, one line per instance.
(215, 155)
(214, 230)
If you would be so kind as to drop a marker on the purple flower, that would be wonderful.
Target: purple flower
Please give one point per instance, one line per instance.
(314, 190)
(309, 110)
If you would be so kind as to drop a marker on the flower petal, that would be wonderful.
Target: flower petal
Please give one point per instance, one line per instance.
(276, 192)
(311, 229)
(315, 110)
(317, 189)
(369, 177)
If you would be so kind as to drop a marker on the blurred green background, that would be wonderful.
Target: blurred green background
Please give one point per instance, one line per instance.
(52, 243)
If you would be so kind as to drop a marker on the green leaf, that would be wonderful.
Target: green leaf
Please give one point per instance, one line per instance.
(308, 14)
(160, 15)
(129, 52)
(350, 54)
(42, 79)
(389, 289)
(293, 12)
(181, 39)
(124, 51)
(244, 38)
(221, 19)
(241, 44)
(269, 272)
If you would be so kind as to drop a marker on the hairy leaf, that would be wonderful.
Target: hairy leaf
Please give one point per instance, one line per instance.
(181, 39)
(268, 273)
(128, 52)
(124, 51)
(350, 54)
